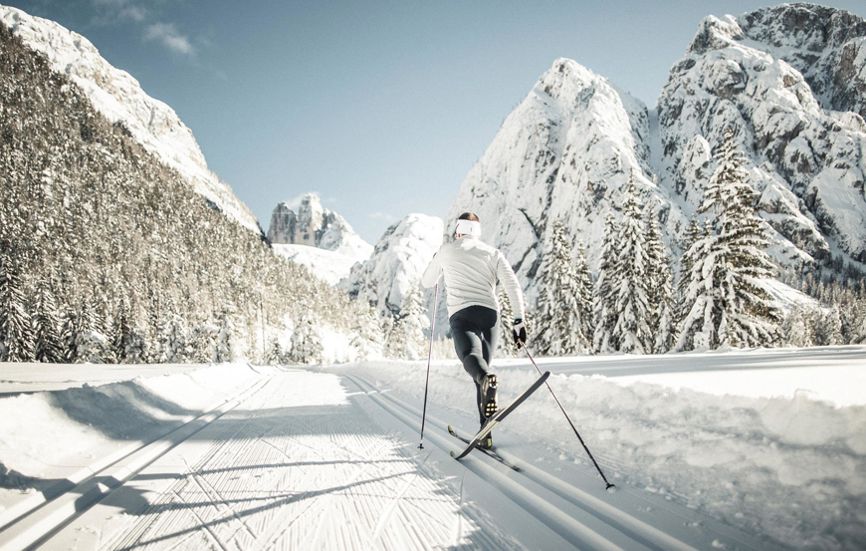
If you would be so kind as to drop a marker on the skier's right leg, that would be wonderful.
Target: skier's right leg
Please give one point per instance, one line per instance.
(471, 330)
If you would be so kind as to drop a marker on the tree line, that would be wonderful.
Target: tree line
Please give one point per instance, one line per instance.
(107, 255)
(719, 298)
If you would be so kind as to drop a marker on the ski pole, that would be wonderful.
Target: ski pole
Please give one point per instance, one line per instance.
(610, 486)
(429, 354)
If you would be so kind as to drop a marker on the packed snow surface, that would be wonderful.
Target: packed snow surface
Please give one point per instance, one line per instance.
(771, 441)
(760, 449)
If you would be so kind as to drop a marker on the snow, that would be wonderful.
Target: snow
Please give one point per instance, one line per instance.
(757, 449)
(329, 266)
(51, 434)
(767, 440)
(119, 97)
(398, 260)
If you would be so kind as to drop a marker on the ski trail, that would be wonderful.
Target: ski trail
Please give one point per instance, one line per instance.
(297, 465)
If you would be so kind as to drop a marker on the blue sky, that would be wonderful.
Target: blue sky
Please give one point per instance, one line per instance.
(380, 107)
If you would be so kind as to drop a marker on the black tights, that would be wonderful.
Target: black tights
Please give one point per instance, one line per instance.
(474, 330)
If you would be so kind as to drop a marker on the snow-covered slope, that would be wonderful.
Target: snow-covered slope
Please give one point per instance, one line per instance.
(397, 262)
(119, 97)
(565, 153)
(306, 222)
(791, 82)
(329, 266)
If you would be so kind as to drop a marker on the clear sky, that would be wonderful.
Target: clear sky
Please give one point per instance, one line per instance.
(379, 106)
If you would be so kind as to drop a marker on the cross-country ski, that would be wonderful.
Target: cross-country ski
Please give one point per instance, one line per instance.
(499, 416)
(488, 452)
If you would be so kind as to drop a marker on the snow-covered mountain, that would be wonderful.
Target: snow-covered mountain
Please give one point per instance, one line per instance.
(565, 153)
(791, 81)
(119, 97)
(397, 262)
(305, 222)
(329, 266)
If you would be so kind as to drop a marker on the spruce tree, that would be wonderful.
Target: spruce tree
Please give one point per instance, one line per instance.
(631, 331)
(506, 345)
(406, 338)
(584, 294)
(16, 331)
(69, 339)
(659, 292)
(47, 326)
(560, 304)
(737, 311)
(606, 285)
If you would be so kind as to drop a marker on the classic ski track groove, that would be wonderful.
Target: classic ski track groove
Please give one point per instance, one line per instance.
(231, 496)
(637, 530)
(38, 518)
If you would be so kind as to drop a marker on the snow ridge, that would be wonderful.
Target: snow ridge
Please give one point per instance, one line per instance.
(119, 97)
(398, 260)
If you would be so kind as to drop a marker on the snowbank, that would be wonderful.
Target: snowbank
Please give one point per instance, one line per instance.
(791, 468)
(47, 436)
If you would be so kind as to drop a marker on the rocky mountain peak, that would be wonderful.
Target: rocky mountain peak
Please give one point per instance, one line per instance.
(304, 221)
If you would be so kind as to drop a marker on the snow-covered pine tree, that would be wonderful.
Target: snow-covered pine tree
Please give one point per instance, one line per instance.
(559, 302)
(406, 339)
(631, 331)
(70, 328)
(506, 346)
(223, 344)
(275, 353)
(306, 344)
(659, 291)
(366, 330)
(729, 263)
(604, 299)
(584, 294)
(796, 330)
(47, 325)
(16, 331)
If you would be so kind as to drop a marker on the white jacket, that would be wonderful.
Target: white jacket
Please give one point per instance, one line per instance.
(471, 269)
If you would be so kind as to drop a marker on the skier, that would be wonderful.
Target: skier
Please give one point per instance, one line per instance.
(471, 269)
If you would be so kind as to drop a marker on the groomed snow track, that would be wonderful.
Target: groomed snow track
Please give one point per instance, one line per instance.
(311, 460)
(33, 520)
(598, 525)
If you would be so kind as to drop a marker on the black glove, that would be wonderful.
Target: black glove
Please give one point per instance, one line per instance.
(518, 331)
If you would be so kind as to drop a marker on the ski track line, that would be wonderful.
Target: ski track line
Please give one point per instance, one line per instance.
(37, 518)
(17, 511)
(632, 527)
(302, 481)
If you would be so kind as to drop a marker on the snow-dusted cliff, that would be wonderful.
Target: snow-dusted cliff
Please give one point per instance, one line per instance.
(306, 222)
(397, 262)
(791, 82)
(566, 152)
(119, 97)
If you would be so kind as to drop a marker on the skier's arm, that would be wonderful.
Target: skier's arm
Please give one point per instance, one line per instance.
(512, 286)
(433, 272)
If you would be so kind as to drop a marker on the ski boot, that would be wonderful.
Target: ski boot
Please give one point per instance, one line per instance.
(486, 443)
(488, 395)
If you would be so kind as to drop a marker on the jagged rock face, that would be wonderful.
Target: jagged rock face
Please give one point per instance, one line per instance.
(308, 223)
(825, 45)
(778, 77)
(566, 152)
(119, 97)
(397, 263)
